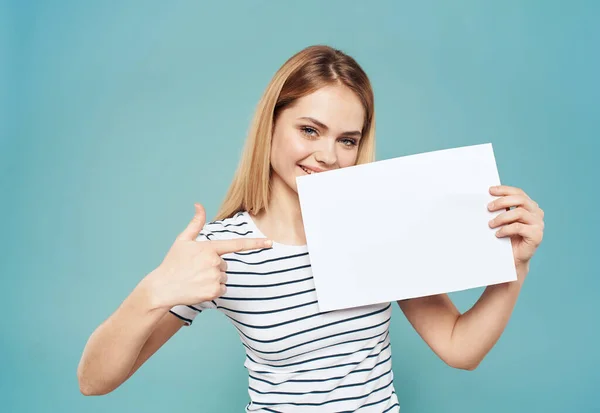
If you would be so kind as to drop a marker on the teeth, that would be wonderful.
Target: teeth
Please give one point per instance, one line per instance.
(306, 170)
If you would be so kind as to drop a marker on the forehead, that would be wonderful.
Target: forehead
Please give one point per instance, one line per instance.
(337, 106)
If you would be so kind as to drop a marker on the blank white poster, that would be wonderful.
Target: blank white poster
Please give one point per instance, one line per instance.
(406, 227)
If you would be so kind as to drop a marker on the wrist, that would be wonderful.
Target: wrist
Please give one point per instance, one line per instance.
(149, 292)
(522, 271)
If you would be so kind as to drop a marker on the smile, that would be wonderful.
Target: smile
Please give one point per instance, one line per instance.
(308, 171)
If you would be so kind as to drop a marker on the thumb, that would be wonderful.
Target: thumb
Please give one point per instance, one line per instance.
(195, 225)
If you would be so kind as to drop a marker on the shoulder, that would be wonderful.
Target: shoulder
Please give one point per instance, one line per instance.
(237, 226)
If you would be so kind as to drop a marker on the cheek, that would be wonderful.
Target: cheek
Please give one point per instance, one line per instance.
(293, 149)
(347, 157)
(298, 146)
(287, 150)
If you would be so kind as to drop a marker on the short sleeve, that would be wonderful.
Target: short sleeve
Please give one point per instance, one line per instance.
(187, 313)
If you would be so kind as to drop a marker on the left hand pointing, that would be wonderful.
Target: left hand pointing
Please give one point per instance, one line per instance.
(524, 224)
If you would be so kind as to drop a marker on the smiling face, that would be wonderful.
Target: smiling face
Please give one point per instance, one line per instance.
(319, 132)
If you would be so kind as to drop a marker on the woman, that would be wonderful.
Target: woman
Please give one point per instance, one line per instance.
(252, 263)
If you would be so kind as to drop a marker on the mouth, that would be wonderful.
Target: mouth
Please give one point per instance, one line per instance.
(307, 171)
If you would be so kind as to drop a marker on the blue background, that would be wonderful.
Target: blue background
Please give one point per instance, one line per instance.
(117, 116)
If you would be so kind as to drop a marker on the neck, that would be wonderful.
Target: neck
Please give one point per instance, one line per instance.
(282, 220)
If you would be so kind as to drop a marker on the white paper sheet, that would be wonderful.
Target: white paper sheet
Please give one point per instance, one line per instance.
(405, 227)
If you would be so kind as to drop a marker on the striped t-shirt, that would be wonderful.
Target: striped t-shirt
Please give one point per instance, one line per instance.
(298, 358)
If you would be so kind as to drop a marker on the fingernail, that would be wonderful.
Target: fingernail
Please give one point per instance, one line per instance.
(268, 243)
(491, 205)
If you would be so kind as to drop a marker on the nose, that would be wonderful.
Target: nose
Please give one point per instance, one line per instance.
(326, 153)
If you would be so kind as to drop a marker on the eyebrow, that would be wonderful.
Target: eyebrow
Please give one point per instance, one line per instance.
(323, 126)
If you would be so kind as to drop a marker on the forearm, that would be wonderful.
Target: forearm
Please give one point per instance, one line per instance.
(477, 330)
(113, 348)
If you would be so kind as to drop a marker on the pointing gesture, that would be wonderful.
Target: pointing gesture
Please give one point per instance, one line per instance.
(193, 272)
(223, 246)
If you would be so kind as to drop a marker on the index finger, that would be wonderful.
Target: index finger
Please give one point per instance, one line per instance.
(506, 190)
(241, 244)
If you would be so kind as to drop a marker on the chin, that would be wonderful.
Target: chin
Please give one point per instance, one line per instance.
(282, 181)
(293, 186)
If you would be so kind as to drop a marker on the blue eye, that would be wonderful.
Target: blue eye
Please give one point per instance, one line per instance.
(348, 142)
(307, 130)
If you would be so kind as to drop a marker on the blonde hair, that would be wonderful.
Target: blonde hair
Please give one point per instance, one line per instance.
(305, 72)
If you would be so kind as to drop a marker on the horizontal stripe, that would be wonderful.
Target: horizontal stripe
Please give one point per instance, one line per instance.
(180, 317)
(235, 225)
(318, 339)
(287, 257)
(382, 400)
(268, 272)
(318, 327)
(373, 404)
(232, 232)
(268, 311)
(329, 356)
(325, 379)
(266, 298)
(269, 285)
(252, 252)
(391, 407)
(357, 340)
(295, 320)
(327, 401)
(343, 386)
(221, 221)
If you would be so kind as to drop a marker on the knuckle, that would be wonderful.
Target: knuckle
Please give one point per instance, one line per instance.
(209, 257)
(211, 291)
(240, 244)
(538, 238)
(207, 274)
(234, 245)
(216, 261)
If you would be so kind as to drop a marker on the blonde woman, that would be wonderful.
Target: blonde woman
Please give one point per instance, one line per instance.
(252, 264)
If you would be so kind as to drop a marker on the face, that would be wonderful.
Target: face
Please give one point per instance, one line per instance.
(319, 132)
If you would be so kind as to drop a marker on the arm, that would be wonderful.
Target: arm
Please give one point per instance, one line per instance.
(463, 340)
(122, 343)
(192, 272)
